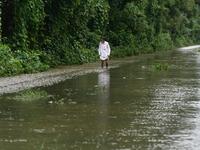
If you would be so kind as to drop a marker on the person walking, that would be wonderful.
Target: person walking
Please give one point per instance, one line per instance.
(104, 52)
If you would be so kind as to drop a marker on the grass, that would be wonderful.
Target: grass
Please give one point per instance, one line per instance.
(32, 96)
(160, 66)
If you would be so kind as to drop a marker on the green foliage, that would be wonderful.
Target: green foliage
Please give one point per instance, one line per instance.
(66, 100)
(28, 18)
(59, 32)
(163, 41)
(123, 51)
(30, 61)
(8, 64)
(0, 23)
(160, 66)
(19, 62)
(73, 29)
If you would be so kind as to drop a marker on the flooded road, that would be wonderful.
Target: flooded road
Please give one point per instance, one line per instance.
(153, 103)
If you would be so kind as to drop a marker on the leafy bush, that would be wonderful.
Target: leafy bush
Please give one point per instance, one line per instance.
(163, 42)
(183, 41)
(8, 64)
(0, 22)
(30, 61)
(89, 55)
(19, 62)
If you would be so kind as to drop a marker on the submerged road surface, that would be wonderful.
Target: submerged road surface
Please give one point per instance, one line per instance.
(56, 75)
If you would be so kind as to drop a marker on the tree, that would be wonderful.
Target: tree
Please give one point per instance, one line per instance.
(64, 32)
(0, 22)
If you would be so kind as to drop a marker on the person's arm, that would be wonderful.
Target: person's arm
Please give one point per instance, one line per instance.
(99, 50)
(108, 49)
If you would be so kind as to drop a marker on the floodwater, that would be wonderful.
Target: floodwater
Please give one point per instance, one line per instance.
(137, 106)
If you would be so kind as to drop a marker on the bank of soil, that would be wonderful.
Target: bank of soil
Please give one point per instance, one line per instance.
(55, 75)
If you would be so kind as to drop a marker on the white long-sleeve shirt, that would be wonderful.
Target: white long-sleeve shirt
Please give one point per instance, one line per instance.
(104, 50)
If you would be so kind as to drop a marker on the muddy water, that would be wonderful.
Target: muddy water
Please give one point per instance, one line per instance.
(134, 106)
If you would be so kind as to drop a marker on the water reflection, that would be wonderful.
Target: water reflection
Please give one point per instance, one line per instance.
(103, 99)
(104, 81)
(131, 108)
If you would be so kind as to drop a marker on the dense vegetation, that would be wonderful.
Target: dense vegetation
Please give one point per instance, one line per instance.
(38, 34)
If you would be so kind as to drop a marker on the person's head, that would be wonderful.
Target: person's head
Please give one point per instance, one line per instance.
(102, 39)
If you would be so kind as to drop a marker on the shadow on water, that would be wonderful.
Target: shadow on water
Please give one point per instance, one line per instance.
(136, 106)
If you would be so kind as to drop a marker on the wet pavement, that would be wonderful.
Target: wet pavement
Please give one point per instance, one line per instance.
(131, 106)
(56, 75)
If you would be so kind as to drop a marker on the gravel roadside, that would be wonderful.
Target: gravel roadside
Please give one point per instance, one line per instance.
(52, 76)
